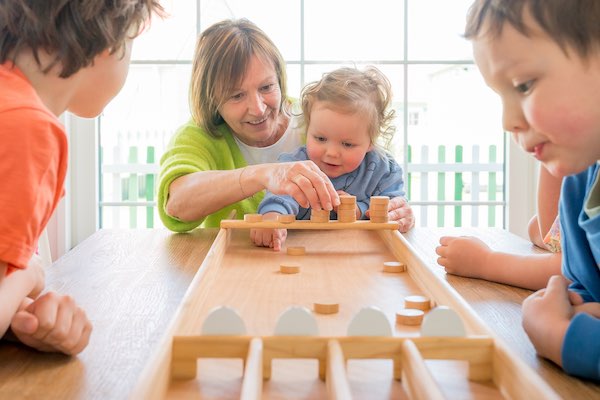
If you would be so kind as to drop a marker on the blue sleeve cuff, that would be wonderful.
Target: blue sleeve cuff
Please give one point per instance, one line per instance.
(581, 351)
(278, 204)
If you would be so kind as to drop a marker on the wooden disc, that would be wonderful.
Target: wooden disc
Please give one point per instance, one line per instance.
(409, 316)
(289, 268)
(253, 217)
(393, 267)
(326, 308)
(296, 251)
(418, 302)
(286, 218)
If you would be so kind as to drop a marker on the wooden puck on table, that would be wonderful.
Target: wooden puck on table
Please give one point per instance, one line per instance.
(289, 268)
(393, 266)
(409, 316)
(296, 251)
(418, 302)
(326, 308)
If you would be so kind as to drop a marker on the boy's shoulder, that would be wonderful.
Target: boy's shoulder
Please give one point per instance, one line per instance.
(20, 104)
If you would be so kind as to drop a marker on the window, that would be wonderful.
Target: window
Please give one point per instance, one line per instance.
(449, 137)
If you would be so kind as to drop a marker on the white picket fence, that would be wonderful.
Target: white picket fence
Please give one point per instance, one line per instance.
(443, 191)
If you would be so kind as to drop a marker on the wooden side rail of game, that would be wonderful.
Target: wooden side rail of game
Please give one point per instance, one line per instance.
(306, 224)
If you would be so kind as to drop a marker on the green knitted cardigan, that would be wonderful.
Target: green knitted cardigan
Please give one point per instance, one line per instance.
(192, 149)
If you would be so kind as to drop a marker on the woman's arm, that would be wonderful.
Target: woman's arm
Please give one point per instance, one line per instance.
(196, 195)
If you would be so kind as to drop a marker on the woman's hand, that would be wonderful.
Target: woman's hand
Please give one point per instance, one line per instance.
(305, 182)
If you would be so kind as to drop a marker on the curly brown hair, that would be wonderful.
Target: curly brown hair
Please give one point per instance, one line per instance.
(74, 32)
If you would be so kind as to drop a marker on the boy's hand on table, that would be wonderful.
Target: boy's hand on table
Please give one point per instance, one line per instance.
(546, 317)
(463, 255)
(52, 323)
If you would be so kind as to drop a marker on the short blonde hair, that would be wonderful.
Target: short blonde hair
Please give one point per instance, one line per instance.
(223, 53)
(349, 90)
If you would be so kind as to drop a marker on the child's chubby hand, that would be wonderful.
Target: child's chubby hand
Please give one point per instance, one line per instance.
(273, 238)
(52, 323)
(546, 317)
(399, 210)
(463, 255)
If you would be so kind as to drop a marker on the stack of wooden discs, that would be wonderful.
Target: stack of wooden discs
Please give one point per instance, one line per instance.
(346, 211)
(378, 210)
(319, 215)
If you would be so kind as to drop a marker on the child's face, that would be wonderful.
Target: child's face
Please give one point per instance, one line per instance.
(252, 110)
(551, 102)
(100, 82)
(337, 142)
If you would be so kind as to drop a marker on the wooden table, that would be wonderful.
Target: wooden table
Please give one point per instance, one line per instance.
(130, 282)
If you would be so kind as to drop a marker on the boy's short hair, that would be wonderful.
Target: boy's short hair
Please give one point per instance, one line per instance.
(570, 23)
(223, 53)
(73, 31)
(350, 90)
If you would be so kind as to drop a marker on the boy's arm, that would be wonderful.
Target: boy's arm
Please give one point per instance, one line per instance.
(580, 353)
(470, 257)
(559, 333)
(547, 200)
(15, 287)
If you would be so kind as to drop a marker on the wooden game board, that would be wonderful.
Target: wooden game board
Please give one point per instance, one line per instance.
(344, 265)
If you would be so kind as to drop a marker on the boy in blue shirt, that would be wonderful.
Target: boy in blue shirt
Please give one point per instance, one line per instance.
(543, 59)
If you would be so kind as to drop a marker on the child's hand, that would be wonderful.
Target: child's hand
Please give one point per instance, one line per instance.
(273, 238)
(52, 323)
(464, 256)
(546, 317)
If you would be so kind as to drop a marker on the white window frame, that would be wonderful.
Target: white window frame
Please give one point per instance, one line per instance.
(78, 215)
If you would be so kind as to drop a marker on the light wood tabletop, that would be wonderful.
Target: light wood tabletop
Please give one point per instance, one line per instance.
(130, 282)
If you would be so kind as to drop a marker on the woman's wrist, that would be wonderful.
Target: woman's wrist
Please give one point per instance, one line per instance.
(252, 179)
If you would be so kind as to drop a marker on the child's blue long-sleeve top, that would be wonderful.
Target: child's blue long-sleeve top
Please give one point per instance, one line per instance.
(377, 175)
(580, 236)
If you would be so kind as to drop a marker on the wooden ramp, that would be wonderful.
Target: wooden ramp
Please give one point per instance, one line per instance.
(344, 266)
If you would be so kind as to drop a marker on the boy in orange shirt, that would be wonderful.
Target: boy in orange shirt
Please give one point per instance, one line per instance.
(54, 56)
